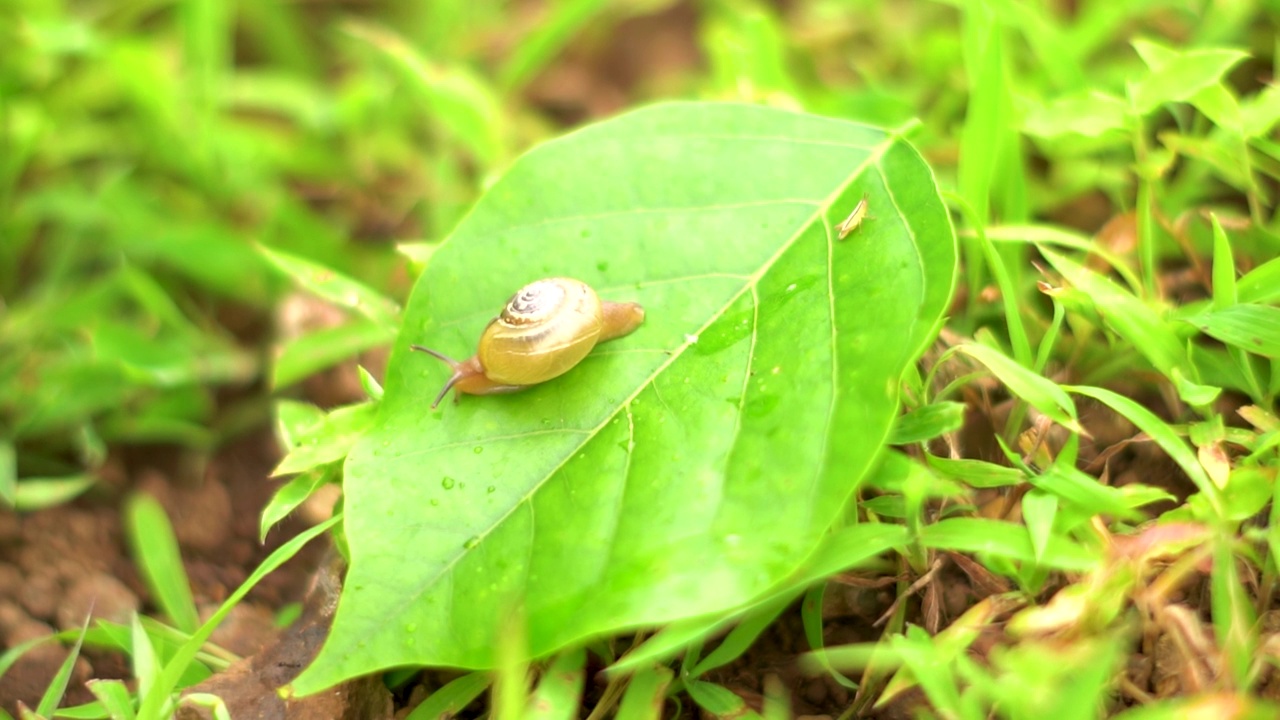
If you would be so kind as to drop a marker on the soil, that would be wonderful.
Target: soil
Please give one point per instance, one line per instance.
(59, 565)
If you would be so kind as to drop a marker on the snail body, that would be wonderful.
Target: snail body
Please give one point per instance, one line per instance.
(546, 329)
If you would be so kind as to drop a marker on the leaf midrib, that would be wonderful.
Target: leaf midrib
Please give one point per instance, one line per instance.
(819, 215)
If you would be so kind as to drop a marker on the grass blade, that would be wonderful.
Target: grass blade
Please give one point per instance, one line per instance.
(449, 700)
(559, 694)
(173, 670)
(156, 549)
(646, 694)
(58, 685)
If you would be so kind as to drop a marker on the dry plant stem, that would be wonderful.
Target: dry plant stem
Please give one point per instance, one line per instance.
(1135, 693)
(613, 691)
(1097, 463)
(870, 684)
(1010, 497)
(612, 694)
(1201, 659)
(1158, 592)
(1151, 600)
(874, 679)
(1041, 426)
(919, 583)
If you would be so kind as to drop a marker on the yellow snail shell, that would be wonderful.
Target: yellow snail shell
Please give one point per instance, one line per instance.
(547, 327)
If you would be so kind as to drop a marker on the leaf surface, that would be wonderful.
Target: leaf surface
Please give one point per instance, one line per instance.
(679, 471)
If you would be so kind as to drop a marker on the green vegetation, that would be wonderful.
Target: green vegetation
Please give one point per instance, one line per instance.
(1041, 362)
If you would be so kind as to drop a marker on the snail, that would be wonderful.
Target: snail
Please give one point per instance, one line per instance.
(546, 329)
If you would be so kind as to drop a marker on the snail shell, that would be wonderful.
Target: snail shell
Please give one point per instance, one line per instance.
(546, 329)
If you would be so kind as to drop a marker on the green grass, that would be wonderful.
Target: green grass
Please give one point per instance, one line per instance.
(171, 174)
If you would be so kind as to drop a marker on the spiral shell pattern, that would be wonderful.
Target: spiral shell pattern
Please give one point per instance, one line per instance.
(536, 302)
(546, 328)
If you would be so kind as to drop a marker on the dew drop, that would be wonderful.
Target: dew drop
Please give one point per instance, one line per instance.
(471, 542)
(477, 449)
(491, 488)
(447, 483)
(411, 627)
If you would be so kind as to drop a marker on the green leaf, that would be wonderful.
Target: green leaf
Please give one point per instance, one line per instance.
(142, 657)
(291, 495)
(559, 694)
(295, 419)
(57, 687)
(1038, 512)
(1261, 284)
(1040, 392)
(39, 493)
(336, 288)
(845, 548)
(546, 40)
(1164, 436)
(1248, 490)
(88, 711)
(1224, 268)
(645, 694)
(330, 439)
(1261, 112)
(449, 700)
(739, 640)
(372, 388)
(928, 422)
(731, 410)
(848, 547)
(1091, 496)
(419, 253)
(451, 93)
(1091, 114)
(8, 474)
(811, 618)
(717, 700)
(1004, 539)
(315, 351)
(1234, 619)
(114, 696)
(1126, 315)
(976, 473)
(1177, 77)
(156, 550)
(1253, 328)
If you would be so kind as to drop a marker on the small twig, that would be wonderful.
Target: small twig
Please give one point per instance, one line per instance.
(915, 586)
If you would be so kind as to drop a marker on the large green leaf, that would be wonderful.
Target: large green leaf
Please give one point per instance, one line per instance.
(676, 472)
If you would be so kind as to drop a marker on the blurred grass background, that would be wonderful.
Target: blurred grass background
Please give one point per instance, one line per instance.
(149, 151)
